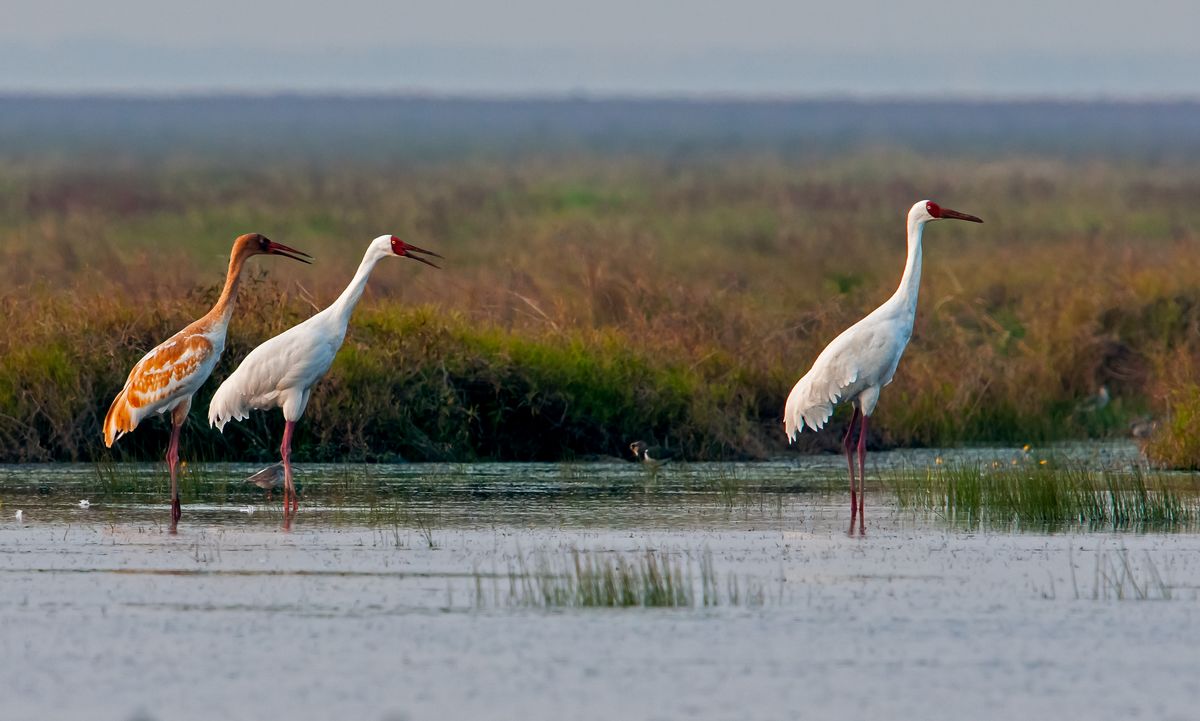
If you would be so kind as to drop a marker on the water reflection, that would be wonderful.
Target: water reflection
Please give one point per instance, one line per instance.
(777, 494)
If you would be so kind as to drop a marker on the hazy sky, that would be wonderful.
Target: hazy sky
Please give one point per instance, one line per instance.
(1076, 47)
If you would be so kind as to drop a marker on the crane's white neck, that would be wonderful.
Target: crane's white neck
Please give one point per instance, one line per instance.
(910, 282)
(343, 307)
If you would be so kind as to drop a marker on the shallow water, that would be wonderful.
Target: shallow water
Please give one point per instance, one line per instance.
(392, 598)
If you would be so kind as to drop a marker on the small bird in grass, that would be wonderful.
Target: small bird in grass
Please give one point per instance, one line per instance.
(268, 478)
(651, 455)
(1095, 402)
(85, 503)
(1143, 427)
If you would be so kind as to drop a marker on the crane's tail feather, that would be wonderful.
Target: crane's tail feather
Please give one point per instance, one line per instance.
(806, 406)
(227, 405)
(119, 420)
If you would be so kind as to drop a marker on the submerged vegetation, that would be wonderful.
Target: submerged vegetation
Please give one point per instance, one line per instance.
(1039, 496)
(1116, 577)
(594, 296)
(589, 579)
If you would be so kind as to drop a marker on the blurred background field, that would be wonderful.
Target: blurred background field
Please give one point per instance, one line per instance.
(615, 269)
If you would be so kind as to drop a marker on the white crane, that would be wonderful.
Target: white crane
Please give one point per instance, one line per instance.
(167, 377)
(281, 372)
(862, 360)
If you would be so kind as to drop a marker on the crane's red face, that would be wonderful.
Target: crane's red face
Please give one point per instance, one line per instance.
(405, 250)
(939, 213)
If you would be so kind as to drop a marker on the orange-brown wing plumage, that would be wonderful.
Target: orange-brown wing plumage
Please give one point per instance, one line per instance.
(163, 379)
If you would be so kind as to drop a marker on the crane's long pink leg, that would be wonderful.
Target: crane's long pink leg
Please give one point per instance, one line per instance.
(289, 491)
(848, 445)
(862, 476)
(173, 463)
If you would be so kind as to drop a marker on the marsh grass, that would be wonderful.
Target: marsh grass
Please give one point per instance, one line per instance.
(1176, 441)
(1045, 496)
(591, 299)
(197, 481)
(1116, 577)
(729, 484)
(121, 479)
(592, 579)
(688, 286)
(400, 519)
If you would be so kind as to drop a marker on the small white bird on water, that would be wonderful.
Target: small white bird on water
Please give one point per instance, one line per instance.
(20, 516)
(85, 504)
(281, 372)
(862, 360)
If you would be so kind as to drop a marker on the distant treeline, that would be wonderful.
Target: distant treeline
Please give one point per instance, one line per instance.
(394, 127)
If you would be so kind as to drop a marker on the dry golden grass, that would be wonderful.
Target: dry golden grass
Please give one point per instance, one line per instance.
(588, 299)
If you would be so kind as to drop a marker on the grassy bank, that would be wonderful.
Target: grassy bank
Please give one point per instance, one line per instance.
(589, 300)
(412, 383)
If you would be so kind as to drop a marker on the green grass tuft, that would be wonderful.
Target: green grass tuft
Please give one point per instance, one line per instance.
(1032, 495)
(651, 579)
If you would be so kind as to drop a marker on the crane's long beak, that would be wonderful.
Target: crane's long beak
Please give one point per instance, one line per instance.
(286, 252)
(947, 213)
(410, 249)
